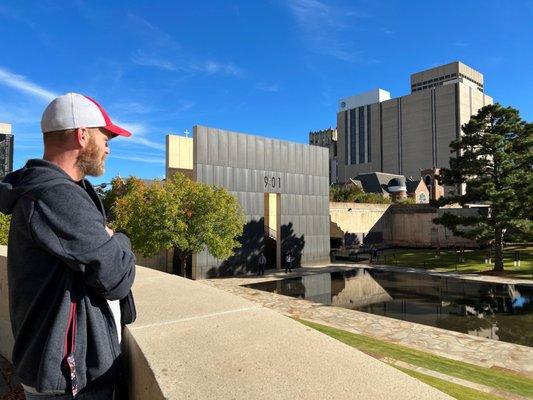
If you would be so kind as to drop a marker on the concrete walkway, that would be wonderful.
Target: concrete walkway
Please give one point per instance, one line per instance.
(458, 346)
(198, 342)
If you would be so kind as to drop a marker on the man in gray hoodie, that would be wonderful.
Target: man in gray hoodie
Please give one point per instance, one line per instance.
(67, 270)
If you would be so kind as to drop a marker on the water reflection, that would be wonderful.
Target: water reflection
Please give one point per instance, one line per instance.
(495, 311)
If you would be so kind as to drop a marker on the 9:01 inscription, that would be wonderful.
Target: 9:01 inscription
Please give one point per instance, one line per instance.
(272, 182)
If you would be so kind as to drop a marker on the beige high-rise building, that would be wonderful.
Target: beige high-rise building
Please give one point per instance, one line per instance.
(411, 133)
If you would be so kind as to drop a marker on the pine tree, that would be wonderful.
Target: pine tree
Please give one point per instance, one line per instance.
(494, 158)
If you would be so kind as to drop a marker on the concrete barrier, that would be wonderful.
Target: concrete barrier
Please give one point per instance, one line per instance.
(193, 341)
(396, 225)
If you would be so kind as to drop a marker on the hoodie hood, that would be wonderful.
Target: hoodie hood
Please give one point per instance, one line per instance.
(35, 174)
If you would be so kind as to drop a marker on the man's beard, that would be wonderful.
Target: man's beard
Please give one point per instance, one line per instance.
(90, 161)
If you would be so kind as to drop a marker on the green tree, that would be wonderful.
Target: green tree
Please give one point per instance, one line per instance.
(5, 221)
(493, 158)
(177, 214)
(354, 194)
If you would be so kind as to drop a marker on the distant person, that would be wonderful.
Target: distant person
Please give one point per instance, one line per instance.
(69, 274)
(376, 255)
(262, 262)
(288, 262)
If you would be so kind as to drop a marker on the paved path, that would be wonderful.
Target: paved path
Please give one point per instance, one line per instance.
(458, 346)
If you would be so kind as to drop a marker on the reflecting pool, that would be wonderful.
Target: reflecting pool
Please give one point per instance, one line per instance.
(495, 311)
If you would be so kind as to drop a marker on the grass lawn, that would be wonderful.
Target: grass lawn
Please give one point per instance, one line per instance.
(473, 260)
(509, 382)
(452, 389)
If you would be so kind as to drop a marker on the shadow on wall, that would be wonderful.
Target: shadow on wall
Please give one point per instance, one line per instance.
(291, 243)
(359, 233)
(253, 242)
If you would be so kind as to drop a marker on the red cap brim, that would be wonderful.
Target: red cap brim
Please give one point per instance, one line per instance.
(117, 130)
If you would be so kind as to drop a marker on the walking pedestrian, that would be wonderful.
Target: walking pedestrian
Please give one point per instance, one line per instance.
(69, 274)
(262, 262)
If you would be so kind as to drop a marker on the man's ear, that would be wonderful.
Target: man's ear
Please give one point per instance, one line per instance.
(82, 137)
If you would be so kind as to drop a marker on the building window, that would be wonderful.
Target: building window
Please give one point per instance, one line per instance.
(422, 198)
(353, 156)
(369, 128)
(362, 135)
(346, 138)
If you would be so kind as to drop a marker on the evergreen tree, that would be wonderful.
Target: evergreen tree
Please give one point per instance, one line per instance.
(494, 158)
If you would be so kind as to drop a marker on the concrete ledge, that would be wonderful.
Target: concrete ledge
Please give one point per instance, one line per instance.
(197, 342)
(192, 341)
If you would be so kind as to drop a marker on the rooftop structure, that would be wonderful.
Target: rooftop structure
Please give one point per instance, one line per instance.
(454, 72)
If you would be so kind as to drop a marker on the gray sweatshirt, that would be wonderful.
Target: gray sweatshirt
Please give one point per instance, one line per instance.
(59, 253)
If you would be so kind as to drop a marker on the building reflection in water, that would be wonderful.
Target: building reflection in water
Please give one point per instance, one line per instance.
(495, 311)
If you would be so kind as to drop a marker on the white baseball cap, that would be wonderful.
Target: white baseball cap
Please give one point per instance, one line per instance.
(74, 110)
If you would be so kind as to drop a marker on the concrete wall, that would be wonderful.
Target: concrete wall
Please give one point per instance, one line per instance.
(162, 261)
(412, 226)
(250, 166)
(395, 225)
(359, 219)
(179, 155)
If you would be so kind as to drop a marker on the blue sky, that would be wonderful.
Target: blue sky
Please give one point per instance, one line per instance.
(274, 68)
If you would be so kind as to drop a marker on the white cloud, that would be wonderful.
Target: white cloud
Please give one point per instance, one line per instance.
(324, 28)
(151, 160)
(153, 34)
(138, 132)
(211, 67)
(22, 84)
(142, 59)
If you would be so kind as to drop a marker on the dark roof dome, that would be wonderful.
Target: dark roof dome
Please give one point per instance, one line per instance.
(400, 181)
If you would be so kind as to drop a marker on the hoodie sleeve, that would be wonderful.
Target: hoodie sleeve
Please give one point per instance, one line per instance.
(66, 223)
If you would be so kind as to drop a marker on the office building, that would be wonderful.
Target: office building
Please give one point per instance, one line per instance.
(411, 133)
(6, 150)
(327, 138)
